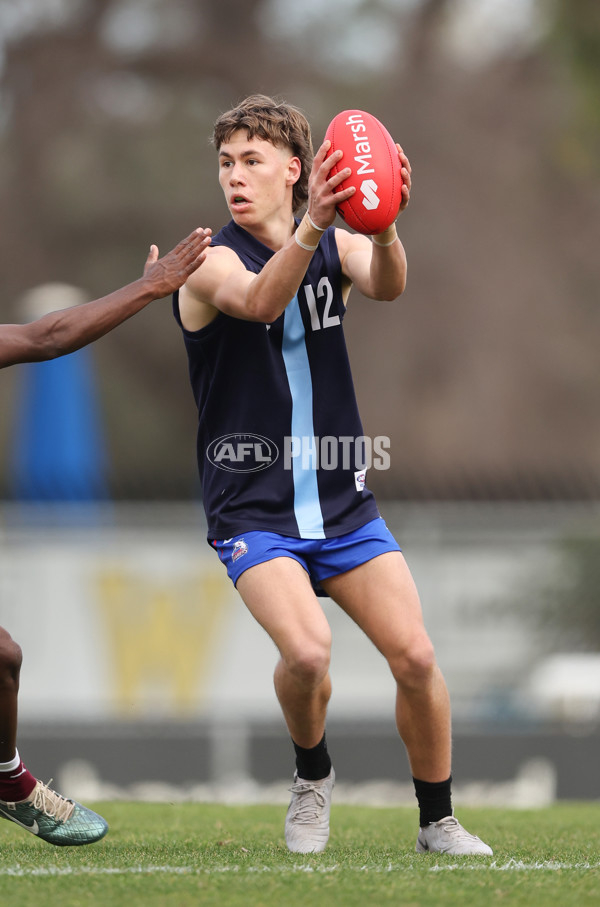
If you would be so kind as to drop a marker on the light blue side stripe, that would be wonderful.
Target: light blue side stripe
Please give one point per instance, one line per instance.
(307, 506)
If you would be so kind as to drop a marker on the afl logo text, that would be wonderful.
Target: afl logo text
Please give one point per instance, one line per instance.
(244, 452)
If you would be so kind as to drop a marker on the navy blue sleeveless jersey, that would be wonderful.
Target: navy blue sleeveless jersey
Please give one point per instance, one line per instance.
(280, 443)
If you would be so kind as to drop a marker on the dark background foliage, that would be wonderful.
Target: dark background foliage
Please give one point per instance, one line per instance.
(486, 373)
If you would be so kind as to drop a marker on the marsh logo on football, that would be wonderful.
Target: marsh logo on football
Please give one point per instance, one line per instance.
(242, 453)
(369, 190)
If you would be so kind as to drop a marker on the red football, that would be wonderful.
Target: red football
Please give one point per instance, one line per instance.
(370, 151)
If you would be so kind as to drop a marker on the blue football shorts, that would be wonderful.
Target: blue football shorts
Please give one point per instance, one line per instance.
(321, 558)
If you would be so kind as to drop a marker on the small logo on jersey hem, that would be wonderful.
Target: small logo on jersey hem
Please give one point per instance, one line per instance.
(240, 548)
(360, 479)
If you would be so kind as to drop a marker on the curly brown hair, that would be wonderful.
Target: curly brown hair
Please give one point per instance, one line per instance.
(274, 121)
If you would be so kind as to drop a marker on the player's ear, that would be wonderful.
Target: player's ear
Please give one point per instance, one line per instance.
(294, 170)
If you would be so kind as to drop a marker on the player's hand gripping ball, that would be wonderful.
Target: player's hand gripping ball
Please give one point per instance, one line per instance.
(371, 153)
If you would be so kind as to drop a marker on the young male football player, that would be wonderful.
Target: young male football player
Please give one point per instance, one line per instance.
(23, 799)
(262, 324)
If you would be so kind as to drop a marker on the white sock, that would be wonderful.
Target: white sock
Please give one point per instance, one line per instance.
(12, 765)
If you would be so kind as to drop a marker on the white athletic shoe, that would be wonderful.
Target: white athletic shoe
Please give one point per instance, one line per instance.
(307, 819)
(448, 836)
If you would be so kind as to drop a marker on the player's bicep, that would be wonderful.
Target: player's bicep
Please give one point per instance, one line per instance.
(220, 285)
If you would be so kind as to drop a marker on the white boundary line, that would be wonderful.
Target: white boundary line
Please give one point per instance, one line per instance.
(510, 866)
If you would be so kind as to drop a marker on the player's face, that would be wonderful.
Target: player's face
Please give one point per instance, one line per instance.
(257, 178)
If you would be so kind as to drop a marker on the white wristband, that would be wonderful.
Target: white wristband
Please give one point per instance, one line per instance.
(313, 225)
(385, 244)
(303, 245)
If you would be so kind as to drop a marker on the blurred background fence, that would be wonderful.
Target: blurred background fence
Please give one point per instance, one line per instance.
(485, 375)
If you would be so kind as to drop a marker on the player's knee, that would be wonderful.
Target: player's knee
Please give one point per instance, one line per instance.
(414, 666)
(309, 663)
(11, 657)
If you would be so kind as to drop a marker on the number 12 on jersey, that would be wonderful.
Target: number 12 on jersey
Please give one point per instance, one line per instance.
(323, 290)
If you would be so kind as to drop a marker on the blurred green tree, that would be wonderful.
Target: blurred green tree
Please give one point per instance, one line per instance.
(576, 33)
(491, 359)
(568, 603)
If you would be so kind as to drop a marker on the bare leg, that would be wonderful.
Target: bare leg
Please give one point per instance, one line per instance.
(10, 667)
(381, 597)
(304, 707)
(279, 595)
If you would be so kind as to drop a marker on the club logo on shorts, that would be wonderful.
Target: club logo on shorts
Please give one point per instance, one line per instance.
(242, 452)
(239, 549)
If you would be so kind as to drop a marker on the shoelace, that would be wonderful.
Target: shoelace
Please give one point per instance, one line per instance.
(307, 809)
(453, 827)
(51, 803)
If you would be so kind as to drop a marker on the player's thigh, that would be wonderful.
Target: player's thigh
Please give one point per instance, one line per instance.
(279, 595)
(381, 597)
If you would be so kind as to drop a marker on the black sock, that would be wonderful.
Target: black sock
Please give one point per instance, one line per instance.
(435, 800)
(313, 764)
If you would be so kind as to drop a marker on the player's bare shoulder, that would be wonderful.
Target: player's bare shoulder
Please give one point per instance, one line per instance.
(219, 263)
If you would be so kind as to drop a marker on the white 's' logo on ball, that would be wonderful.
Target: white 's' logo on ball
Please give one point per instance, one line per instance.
(369, 190)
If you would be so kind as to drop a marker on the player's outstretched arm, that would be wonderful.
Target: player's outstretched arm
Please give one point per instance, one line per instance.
(378, 267)
(69, 329)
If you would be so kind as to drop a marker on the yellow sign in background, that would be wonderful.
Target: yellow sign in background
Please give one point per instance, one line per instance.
(161, 637)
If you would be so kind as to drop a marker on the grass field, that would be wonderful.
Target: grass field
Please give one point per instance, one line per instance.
(229, 856)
